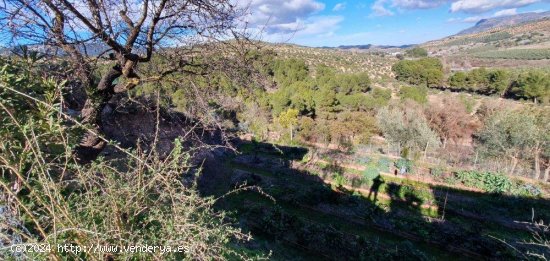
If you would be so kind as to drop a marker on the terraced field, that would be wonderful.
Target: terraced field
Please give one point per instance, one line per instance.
(305, 211)
(522, 46)
(517, 54)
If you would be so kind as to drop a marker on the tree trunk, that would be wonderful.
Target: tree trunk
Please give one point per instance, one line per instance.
(537, 164)
(91, 143)
(426, 150)
(514, 165)
(546, 173)
(97, 105)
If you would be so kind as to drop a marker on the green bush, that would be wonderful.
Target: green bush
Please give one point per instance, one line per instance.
(481, 80)
(533, 85)
(417, 94)
(487, 181)
(371, 171)
(384, 164)
(526, 190)
(437, 172)
(135, 199)
(411, 193)
(404, 163)
(339, 180)
(417, 52)
(425, 72)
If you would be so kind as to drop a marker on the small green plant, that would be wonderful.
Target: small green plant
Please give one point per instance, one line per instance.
(404, 164)
(437, 172)
(384, 164)
(468, 102)
(526, 190)
(487, 181)
(371, 171)
(339, 180)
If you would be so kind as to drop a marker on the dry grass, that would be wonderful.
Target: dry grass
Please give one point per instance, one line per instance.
(139, 199)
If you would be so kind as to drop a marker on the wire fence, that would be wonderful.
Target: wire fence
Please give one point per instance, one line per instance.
(452, 156)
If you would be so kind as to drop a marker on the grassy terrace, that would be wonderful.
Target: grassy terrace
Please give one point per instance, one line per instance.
(313, 197)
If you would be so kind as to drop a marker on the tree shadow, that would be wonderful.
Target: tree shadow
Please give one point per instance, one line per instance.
(310, 219)
(306, 217)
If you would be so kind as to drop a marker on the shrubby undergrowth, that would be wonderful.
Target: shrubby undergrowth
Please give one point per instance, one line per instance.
(495, 183)
(132, 199)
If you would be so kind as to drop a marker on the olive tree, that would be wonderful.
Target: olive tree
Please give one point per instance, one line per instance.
(508, 134)
(541, 148)
(408, 128)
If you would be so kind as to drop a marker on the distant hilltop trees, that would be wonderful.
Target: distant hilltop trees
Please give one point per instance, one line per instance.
(416, 52)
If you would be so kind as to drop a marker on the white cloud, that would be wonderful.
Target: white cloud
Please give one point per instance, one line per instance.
(303, 29)
(418, 4)
(382, 7)
(339, 7)
(480, 6)
(283, 20)
(475, 19)
(280, 11)
(387, 7)
(310, 26)
(379, 9)
(506, 12)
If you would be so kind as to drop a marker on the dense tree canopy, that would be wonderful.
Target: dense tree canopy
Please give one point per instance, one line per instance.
(406, 127)
(417, 52)
(530, 84)
(326, 93)
(482, 80)
(533, 85)
(426, 72)
(508, 135)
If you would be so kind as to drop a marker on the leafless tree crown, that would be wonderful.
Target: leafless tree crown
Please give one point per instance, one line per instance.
(128, 32)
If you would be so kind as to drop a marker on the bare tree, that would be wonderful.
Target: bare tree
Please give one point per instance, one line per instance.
(131, 33)
(450, 120)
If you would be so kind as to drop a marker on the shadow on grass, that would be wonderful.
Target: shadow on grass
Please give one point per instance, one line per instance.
(310, 219)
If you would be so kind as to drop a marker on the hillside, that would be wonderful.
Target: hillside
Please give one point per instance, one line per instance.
(521, 46)
(378, 64)
(163, 130)
(504, 21)
(519, 41)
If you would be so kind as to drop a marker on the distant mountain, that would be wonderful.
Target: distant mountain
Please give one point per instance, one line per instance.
(361, 47)
(504, 21)
(91, 49)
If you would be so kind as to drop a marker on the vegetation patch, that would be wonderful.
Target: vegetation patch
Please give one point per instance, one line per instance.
(519, 54)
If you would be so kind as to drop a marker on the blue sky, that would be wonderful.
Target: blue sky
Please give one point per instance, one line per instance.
(381, 22)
